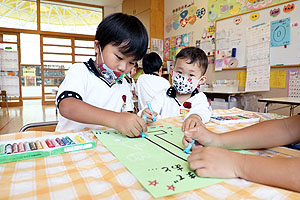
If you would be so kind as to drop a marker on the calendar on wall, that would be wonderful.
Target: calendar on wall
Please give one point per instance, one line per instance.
(294, 83)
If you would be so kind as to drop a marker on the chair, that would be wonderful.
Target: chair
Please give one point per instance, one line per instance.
(40, 126)
(3, 95)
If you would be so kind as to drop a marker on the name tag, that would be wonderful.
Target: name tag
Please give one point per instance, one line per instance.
(183, 112)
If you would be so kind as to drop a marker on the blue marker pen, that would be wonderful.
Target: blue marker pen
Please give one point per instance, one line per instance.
(150, 108)
(188, 148)
(145, 119)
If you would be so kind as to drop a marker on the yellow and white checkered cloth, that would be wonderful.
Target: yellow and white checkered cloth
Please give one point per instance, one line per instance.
(97, 174)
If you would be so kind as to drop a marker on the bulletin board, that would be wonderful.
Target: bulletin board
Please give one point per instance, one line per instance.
(231, 35)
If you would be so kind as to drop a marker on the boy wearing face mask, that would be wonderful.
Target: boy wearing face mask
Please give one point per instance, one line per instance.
(183, 97)
(92, 92)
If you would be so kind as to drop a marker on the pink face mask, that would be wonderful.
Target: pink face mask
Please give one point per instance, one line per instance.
(109, 74)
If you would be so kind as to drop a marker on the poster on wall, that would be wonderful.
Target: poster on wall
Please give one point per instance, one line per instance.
(258, 58)
(218, 9)
(280, 32)
(172, 45)
(294, 83)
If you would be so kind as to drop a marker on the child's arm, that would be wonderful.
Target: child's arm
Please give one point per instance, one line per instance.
(127, 123)
(266, 134)
(200, 112)
(222, 163)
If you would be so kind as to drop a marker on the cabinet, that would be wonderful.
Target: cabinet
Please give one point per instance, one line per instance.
(151, 14)
(10, 77)
(134, 7)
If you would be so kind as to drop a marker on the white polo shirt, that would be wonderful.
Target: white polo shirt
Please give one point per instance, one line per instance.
(148, 86)
(167, 105)
(85, 83)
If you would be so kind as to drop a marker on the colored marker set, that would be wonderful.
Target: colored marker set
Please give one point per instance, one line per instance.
(29, 148)
(232, 119)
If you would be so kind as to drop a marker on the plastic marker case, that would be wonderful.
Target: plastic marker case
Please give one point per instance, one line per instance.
(28, 148)
(233, 119)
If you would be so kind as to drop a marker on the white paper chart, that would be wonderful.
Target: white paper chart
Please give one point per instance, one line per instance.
(258, 58)
(294, 83)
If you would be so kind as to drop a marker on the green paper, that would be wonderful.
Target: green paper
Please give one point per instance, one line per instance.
(157, 161)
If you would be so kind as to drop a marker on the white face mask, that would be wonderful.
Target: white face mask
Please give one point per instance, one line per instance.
(184, 85)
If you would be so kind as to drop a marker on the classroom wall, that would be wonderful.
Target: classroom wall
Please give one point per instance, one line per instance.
(198, 28)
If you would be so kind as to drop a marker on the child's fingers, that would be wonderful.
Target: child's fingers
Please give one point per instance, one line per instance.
(192, 124)
(195, 132)
(185, 125)
(186, 141)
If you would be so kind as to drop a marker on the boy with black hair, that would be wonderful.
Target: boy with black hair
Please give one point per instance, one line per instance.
(92, 92)
(151, 83)
(183, 97)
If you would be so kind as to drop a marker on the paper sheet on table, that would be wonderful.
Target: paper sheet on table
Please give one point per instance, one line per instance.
(157, 161)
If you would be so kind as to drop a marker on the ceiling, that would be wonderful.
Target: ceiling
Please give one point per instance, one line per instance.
(105, 3)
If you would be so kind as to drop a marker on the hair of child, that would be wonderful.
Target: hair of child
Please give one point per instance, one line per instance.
(125, 31)
(194, 55)
(151, 63)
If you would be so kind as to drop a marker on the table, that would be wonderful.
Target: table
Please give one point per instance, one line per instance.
(97, 174)
(292, 103)
(227, 94)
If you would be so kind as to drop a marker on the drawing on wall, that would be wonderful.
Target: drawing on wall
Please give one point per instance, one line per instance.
(254, 16)
(288, 8)
(218, 9)
(157, 161)
(174, 44)
(274, 12)
(280, 32)
(183, 16)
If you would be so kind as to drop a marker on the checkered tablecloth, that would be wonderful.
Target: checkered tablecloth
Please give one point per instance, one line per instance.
(97, 174)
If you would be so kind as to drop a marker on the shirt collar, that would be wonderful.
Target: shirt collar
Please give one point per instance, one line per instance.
(171, 92)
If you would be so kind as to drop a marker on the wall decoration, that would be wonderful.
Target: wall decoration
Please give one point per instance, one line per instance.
(167, 43)
(280, 32)
(294, 83)
(183, 16)
(173, 42)
(211, 29)
(178, 40)
(274, 12)
(185, 39)
(254, 16)
(288, 8)
(168, 27)
(200, 13)
(172, 45)
(237, 20)
(218, 9)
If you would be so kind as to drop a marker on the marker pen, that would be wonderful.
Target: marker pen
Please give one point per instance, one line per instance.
(188, 148)
(150, 108)
(143, 135)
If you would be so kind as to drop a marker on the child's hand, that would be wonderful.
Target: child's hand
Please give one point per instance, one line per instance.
(130, 124)
(215, 162)
(203, 137)
(191, 122)
(148, 113)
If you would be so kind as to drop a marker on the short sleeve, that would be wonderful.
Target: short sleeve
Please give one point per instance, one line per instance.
(75, 80)
(200, 107)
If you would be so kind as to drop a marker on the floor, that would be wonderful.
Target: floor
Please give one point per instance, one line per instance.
(31, 111)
